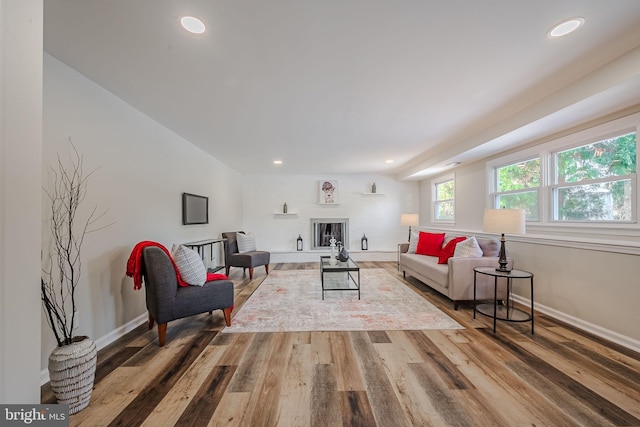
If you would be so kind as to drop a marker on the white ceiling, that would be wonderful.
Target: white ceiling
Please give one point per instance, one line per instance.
(341, 86)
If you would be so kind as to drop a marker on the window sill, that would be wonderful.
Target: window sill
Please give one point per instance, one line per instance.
(622, 240)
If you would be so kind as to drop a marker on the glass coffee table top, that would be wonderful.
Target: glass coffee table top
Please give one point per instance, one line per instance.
(339, 276)
(348, 265)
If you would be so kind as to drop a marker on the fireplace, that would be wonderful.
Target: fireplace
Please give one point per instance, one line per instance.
(323, 229)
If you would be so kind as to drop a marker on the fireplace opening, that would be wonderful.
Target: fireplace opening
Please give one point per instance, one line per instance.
(323, 229)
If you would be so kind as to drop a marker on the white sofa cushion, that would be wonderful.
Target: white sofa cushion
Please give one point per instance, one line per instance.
(428, 266)
(468, 248)
(413, 243)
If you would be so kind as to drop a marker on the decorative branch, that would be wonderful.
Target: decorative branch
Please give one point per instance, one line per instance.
(59, 283)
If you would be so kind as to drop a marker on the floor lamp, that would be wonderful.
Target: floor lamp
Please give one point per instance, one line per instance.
(509, 221)
(410, 219)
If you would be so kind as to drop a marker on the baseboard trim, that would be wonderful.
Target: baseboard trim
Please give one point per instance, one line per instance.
(599, 331)
(107, 339)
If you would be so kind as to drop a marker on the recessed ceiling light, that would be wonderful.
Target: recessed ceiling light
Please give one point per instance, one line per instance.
(277, 162)
(566, 27)
(192, 24)
(453, 164)
(389, 161)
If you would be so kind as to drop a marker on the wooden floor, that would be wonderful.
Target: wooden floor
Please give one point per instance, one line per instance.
(471, 377)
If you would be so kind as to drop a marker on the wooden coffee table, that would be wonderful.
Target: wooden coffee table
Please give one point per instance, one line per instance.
(339, 277)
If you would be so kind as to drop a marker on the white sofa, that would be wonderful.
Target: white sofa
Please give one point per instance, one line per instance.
(455, 278)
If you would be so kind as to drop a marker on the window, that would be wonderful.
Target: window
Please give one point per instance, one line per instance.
(443, 199)
(585, 179)
(595, 182)
(518, 187)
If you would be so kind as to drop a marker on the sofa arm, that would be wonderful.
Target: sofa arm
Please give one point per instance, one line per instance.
(404, 248)
(461, 278)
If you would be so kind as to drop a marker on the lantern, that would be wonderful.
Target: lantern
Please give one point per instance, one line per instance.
(299, 243)
(364, 243)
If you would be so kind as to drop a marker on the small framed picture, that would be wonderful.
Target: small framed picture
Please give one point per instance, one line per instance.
(328, 192)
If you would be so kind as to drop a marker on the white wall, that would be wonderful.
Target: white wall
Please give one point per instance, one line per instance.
(20, 188)
(590, 288)
(143, 168)
(377, 216)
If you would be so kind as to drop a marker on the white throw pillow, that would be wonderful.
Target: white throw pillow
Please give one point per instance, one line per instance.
(190, 265)
(413, 243)
(468, 248)
(246, 242)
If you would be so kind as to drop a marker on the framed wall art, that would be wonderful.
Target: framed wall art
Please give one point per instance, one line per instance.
(328, 192)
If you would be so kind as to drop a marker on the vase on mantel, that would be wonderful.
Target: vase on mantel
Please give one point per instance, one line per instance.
(72, 370)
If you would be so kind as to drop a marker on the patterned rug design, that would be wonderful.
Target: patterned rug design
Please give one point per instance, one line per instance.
(291, 300)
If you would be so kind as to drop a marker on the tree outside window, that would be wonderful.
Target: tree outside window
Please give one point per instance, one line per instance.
(594, 181)
(518, 187)
(444, 204)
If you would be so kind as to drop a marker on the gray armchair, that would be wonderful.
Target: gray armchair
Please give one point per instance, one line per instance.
(167, 301)
(232, 258)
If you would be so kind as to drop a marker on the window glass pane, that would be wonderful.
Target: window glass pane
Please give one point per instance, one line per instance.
(527, 200)
(611, 157)
(519, 176)
(445, 211)
(444, 191)
(605, 201)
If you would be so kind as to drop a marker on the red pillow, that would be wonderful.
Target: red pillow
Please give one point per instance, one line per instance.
(449, 249)
(430, 243)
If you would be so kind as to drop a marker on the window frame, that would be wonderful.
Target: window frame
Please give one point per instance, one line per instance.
(548, 182)
(434, 198)
(494, 194)
(554, 185)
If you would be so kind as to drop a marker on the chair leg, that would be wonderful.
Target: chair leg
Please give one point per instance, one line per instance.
(151, 321)
(162, 333)
(266, 268)
(227, 315)
(250, 273)
(227, 268)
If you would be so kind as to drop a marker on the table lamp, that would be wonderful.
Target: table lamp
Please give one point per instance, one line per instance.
(509, 221)
(410, 219)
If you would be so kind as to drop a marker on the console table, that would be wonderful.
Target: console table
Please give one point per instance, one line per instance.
(505, 312)
(200, 246)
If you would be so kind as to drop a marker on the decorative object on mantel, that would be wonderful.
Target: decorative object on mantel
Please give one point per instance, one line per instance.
(510, 221)
(364, 243)
(72, 364)
(373, 188)
(332, 245)
(299, 243)
(410, 220)
(328, 192)
(284, 207)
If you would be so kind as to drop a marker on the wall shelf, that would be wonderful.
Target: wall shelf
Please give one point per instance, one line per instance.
(285, 214)
(372, 194)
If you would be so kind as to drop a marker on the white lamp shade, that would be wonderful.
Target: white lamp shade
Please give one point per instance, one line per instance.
(410, 219)
(504, 221)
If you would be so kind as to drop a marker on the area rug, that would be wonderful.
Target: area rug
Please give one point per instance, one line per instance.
(291, 300)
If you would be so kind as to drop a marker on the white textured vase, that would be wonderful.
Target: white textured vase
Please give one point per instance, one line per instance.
(72, 370)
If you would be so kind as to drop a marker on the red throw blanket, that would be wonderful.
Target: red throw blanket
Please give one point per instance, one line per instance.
(134, 265)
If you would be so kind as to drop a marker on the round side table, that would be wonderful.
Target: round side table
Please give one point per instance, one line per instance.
(506, 312)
